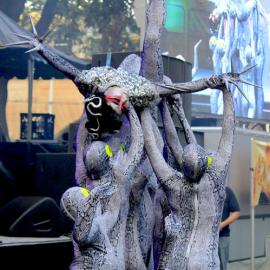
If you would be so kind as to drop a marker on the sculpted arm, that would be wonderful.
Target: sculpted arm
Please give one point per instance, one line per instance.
(160, 167)
(56, 61)
(125, 165)
(170, 132)
(178, 108)
(227, 137)
(152, 64)
(222, 82)
(135, 151)
(50, 54)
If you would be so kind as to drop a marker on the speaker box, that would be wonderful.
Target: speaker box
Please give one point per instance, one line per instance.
(17, 159)
(31, 217)
(54, 174)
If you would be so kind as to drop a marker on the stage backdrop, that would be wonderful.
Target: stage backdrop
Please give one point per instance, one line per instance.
(261, 172)
(223, 48)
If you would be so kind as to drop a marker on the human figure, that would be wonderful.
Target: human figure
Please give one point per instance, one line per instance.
(183, 192)
(195, 194)
(99, 230)
(133, 252)
(231, 212)
(91, 246)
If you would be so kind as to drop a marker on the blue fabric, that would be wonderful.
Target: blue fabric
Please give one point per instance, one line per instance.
(223, 252)
(230, 205)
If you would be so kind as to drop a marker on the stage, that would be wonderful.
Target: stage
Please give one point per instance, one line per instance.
(35, 253)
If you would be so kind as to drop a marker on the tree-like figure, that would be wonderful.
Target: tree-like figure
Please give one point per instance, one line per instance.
(109, 93)
(100, 217)
(134, 250)
(197, 192)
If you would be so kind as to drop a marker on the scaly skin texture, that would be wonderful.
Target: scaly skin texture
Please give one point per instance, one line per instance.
(105, 224)
(177, 106)
(82, 140)
(201, 252)
(140, 224)
(99, 231)
(134, 258)
(162, 210)
(211, 196)
(152, 65)
(92, 249)
(179, 192)
(147, 205)
(142, 91)
(131, 64)
(140, 239)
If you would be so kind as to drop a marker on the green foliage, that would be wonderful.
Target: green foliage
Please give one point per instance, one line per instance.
(86, 27)
(33, 8)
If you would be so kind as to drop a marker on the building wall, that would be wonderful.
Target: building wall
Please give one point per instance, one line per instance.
(66, 105)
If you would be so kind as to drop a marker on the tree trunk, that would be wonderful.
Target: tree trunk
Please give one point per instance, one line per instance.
(12, 8)
(46, 16)
(3, 101)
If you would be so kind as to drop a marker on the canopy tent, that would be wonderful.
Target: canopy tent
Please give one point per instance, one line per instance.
(14, 62)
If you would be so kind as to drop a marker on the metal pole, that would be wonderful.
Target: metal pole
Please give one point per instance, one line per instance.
(108, 59)
(51, 93)
(30, 71)
(252, 210)
(252, 237)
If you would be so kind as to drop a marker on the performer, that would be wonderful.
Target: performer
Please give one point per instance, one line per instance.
(99, 230)
(192, 227)
(231, 212)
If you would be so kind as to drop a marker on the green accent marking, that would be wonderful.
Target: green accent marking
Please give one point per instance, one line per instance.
(85, 192)
(209, 161)
(108, 150)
